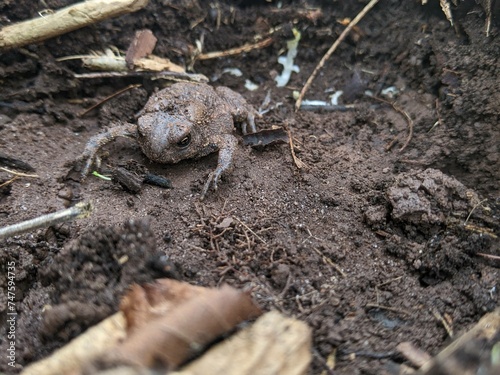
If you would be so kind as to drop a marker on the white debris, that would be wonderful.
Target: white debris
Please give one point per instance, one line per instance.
(390, 92)
(249, 85)
(287, 61)
(233, 71)
(335, 97)
(314, 103)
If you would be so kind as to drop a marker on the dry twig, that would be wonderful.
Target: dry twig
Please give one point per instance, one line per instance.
(330, 262)
(16, 176)
(406, 116)
(332, 49)
(168, 75)
(80, 210)
(443, 321)
(250, 230)
(489, 256)
(65, 20)
(377, 306)
(119, 92)
(298, 163)
(235, 51)
(473, 209)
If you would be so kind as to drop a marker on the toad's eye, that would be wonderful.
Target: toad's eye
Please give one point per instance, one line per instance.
(184, 142)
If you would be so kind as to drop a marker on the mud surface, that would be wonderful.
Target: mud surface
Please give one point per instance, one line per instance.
(365, 243)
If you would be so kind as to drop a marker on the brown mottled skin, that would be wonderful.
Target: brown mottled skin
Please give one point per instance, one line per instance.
(183, 121)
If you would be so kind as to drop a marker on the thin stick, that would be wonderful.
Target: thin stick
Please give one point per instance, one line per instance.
(173, 76)
(80, 210)
(298, 163)
(332, 49)
(9, 181)
(250, 230)
(445, 324)
(119, 92)
(65, 20)
(482, 230)
(405, 115)
(489, 256)
(19, 174)
(390, 281)
(330, 262)
(377, 306)
(235, 51)
(471, 211)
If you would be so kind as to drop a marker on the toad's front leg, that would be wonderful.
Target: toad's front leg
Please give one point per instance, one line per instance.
(99, 140)
(227, 145)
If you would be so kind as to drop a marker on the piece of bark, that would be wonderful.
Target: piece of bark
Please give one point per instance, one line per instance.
(81, 350)
(128, 180)
(65, 20)
(470, 352)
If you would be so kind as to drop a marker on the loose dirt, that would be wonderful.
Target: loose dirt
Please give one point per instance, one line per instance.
(365, 243)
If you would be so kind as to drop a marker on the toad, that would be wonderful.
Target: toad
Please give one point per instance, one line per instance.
(184, 121)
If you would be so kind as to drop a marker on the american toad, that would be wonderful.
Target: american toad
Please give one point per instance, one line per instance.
(183, 121)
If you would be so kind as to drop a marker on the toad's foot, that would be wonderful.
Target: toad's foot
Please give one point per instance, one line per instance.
(89, 155)
(227, 146)
(240, 110)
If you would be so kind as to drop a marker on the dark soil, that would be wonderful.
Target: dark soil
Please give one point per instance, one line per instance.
(363, 224)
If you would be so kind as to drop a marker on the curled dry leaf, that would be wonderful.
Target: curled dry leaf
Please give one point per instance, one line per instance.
(266, 137)
(11, 162)
(143, 44)
(172, 321)
(144, 303)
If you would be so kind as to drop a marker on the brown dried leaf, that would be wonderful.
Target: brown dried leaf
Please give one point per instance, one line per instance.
(176, 321)
(144, 303)
(143, 44)
(266, 137)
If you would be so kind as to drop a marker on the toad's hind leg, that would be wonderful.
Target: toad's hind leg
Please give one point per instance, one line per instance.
(226, 151)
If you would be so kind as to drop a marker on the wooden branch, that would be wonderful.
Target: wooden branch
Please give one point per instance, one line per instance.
(65, 20)
(465, 354)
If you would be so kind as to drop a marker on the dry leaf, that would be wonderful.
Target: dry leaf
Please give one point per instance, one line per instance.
(154, 63)
(191, 317)
(143, 44)
(147, 302)
(266, 137)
